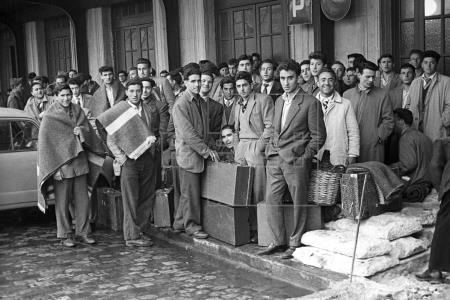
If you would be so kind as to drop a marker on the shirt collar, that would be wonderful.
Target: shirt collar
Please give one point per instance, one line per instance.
(429, 77)
(323, 98)
(288, 98)
(363, 90)
(134, 106)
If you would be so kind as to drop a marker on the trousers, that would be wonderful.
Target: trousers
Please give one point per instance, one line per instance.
(294, 177)
(188, 214)
(138, 183)
(75, 190)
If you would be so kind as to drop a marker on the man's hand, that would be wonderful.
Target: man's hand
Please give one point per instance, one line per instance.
(77, 131)
(151, 139)
(214, 155)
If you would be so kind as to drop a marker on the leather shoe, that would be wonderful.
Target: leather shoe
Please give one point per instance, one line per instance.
(430, 276)
(68, 242)
(138, 243)
(86, 240)
(288, 253)
(200, 235)
(271, 249)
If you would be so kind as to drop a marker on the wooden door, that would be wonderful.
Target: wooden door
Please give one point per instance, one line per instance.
(133, 33)
(59, 53)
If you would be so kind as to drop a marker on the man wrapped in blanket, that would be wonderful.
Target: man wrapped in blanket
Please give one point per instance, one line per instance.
(70, 157)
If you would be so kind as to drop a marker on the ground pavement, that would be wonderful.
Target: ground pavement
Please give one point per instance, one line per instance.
(33, 265)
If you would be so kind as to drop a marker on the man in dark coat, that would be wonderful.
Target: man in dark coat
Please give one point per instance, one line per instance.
(440, 246)
(268, 85)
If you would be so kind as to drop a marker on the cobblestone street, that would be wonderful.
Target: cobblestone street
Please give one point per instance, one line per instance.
(34, 265)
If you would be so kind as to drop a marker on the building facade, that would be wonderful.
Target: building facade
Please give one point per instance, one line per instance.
(47, 36)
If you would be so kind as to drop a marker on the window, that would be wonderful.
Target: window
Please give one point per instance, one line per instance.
(425, 24)
(17, 136)
(133, 33)
(253, 28)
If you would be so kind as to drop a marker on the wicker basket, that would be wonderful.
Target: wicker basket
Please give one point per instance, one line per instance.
(324, 186)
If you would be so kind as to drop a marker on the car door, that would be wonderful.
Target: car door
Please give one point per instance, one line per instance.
(18, 155)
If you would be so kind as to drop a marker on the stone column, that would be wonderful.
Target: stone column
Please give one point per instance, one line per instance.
(36, 55)
(197, 30)
(73, 45)
(160, 29)
(99, 39)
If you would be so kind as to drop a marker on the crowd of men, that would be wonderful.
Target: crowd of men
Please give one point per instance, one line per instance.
(274, 117)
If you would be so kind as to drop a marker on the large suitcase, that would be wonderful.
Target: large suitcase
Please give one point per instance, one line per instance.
(314, 221)
(163, 208)
(225, 223)
(227, 183)
(110, 209)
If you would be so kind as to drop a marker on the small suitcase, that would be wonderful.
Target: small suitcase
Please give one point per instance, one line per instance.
(110, 209)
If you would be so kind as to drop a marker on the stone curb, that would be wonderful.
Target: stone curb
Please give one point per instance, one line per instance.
(289, 271)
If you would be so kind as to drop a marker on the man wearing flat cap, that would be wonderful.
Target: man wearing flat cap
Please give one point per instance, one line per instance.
(429, 99)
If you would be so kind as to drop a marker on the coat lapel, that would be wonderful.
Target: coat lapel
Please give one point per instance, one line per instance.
(293, 110)
(250, 105)
(277, 115)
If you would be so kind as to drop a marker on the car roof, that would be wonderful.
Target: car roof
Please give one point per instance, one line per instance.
(12, 113)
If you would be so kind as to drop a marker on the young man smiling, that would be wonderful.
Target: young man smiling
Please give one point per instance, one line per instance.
(190, 118)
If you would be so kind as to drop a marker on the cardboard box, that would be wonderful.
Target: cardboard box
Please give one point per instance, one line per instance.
(228, 183)
(110, 209)
(314, 221)
(226, 223)
(163, 208)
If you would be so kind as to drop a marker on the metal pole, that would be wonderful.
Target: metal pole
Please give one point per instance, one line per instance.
(357, 227)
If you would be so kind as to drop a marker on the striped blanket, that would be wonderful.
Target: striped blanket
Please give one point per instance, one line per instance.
(57, 146)
(126, 129)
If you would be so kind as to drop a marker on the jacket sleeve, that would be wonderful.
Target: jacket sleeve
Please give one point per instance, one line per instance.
(316, 126)
(386, 118)
(352, 131)
(407, 156)
(163, 124)
(446, 111)
(186, 132)
(168, 93)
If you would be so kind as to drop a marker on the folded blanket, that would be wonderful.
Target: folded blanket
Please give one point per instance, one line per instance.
(387, 182)
(57, 146)
(126, 129)
(417, 192)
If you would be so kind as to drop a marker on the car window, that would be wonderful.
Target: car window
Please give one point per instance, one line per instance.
(18, 136)
(5, 136)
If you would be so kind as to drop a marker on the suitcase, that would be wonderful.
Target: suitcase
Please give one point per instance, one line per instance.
(314, 221)
(163, 208)
(227, 183)
(226, 223)
(110, 209)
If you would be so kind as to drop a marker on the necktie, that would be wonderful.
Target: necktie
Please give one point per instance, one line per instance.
(199, 105)
(143, 116)
(265, 88)
(325, 104)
